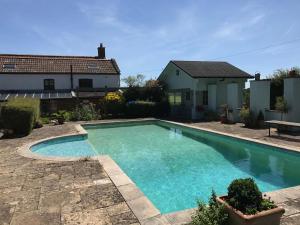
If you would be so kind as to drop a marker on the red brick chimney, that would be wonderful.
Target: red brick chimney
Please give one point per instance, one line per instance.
(101, 52)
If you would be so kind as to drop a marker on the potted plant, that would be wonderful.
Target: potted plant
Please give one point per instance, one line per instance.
(247, 117)
(245, 205)
(224, 114)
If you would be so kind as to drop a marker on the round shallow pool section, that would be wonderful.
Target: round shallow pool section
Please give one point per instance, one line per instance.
(72, 146)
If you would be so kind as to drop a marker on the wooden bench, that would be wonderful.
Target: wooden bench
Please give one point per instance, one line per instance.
(279, 123)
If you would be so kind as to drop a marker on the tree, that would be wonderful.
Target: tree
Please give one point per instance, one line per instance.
(277, 82)
(278, 76)
(134, 81)
(246, 97)
(281, 105)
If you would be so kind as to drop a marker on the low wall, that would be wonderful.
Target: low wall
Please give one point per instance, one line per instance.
(274, 115)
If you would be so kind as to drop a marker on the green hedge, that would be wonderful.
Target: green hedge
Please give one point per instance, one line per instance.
(134, 109)
(20, 115)
(33, 104)
(20, 120)
(146, 109)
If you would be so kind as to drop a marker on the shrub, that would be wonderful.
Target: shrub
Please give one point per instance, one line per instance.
(38, 124)
(132, 94)
(281, 105)
(21, 115)
(147, 109)
(33, 104)
(260, 116)
(112, 104)
(245, 196)
(45, 120)
(61, 116)
(247, 117)
(113, 97)
(84, 112)
(18, 119)
(114, 109)
(213, 214)
(162, 109)
(140, 109)
(152, 91)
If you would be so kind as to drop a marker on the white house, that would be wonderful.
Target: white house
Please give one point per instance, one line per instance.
(56, 79)
(194, 86)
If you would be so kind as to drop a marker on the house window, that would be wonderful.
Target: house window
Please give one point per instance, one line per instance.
(205, 97)
(188, 96)
(85, 83)
(178, 98)
(175, 98)
(177, 72)
(9, 66)
(49, 84)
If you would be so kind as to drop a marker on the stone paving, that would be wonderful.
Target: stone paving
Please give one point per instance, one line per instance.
(37, 192)
(259, 134)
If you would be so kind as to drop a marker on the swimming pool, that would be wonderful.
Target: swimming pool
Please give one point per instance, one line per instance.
(175, 165)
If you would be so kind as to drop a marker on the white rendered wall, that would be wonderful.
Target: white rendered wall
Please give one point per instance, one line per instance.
(99, 81)
(32, 82)
(275, 115)
(173, 81)
(212, 97)
(260, 96)
(292, 96)
(234, 99)
(62, 81)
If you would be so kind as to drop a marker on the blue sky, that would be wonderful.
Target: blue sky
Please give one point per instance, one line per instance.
(144, 35)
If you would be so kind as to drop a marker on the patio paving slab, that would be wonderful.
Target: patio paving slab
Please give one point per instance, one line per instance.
(41, 192)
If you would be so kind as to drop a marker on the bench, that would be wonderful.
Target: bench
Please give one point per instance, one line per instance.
(279, 123)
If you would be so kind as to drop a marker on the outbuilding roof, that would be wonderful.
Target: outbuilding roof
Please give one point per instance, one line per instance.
(49, 64)
(210, 69)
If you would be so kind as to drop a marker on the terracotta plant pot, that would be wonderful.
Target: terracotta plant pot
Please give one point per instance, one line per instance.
(268, 217)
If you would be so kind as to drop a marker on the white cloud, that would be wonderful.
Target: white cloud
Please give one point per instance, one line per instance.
(239, 27)
(58, 40)
(108, 17)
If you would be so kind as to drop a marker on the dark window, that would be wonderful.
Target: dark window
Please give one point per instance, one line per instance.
(205, 97)
(9, 66)
(49, 84)
(85, 83)
(177, 72)
(188, 96)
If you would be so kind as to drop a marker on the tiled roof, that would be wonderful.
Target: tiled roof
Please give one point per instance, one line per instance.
(39, 64)
(210, 69)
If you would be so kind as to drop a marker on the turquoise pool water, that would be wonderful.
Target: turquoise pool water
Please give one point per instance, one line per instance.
(174, 166)
(76, 146)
